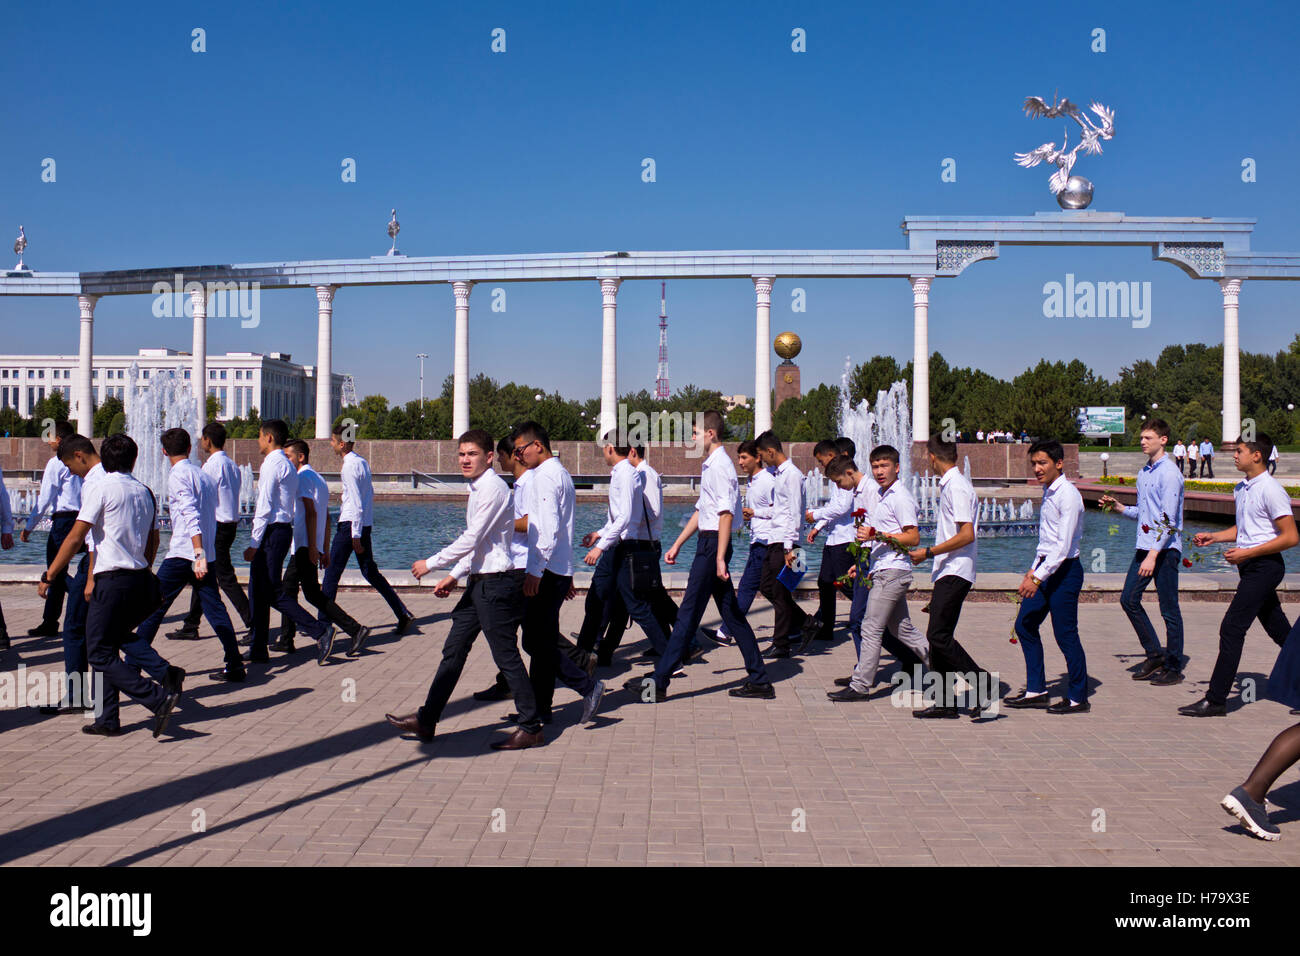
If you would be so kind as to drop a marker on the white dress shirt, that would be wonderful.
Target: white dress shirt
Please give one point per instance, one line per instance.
(626, 515)
(484, 546)
(226, 475)
(760, 497)
(121, 513)
(1060, 527)
(1180, 450)
(311, 487)
(654, 500)
(957, 505)
(6, 512)
(192, 504)
(718, 489)
(95, 474)
(787, 506)
(522, 500)
(1260, 501)
(277, 494)
(894, 510)
(358, 505)
(550, 522)
(835, 518)
(60, 491)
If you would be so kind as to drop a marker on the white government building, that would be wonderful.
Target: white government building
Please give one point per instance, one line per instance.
(271, 383)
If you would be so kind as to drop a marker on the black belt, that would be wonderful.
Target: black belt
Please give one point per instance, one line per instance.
(119, 572)
(708, 534)
(60, 514)
(494, 574)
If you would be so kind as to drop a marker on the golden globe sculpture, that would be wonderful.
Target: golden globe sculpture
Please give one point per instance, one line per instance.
(788, 345)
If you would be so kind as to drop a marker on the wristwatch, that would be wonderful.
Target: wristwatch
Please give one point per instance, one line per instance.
(1034, 578)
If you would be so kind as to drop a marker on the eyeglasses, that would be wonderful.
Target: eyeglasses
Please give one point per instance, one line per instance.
(519, 449)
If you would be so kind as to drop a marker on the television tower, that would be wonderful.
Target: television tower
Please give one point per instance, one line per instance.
(661, 381)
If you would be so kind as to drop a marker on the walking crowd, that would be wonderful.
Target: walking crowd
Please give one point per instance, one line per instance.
(515, 560)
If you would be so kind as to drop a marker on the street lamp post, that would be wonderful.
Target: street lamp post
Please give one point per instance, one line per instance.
(422, 356)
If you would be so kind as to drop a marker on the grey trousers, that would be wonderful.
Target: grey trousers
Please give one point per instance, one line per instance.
(886, 608)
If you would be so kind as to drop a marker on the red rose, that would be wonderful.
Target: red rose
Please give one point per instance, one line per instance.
(860, 513)
(1187, 562)
(1146, 529)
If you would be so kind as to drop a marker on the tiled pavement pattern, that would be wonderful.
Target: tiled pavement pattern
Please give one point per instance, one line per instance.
(283, 771)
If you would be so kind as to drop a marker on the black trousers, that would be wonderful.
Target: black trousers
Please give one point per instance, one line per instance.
(1256, 599)
(493, 604)
(224, 569)
(267, 585)
(836, 561)
(947, 656)
(119, 604)
(1207, 465)
(547, 650)
(790, 617)
(61, 523)
(301, 573)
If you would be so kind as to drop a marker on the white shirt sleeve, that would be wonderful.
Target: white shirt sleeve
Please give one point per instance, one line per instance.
(837, 507)
(620, 509)
(264, 507)
(482, 517)
(1070, 511)
(184, 506)
(48, 495)
(6, 513)
(351, 507)
(543, 522)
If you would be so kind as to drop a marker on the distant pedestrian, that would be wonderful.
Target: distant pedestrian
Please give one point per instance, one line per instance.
(1207, 459)
(1180, 456)
(1193, 453)
(1272, 462)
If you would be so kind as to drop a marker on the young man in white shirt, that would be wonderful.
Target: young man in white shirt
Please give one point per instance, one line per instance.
(60, 494)
(223, 470)
(953, 575)
(1265, 527)
(1159, 516)
(786, 521)
(1193, 453)
(356, 520)
(1180, 455)
(192, 505)
(271, 541)
(891, 515)
(6, 542)
(709, 576)
(1272, 461)
(544, 502)
(834, 521)
(311, 529)
(493, 602)
(1052, 586)
(122, 518)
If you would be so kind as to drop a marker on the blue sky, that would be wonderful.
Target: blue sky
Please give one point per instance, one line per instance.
(169, 157)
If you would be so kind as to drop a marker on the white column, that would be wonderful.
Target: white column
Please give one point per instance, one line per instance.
(763, 354)
(920, 360)
(324, 359)
(609, 355)
(460, 367)
(83, 401)
(199, 372)
(1231, 362)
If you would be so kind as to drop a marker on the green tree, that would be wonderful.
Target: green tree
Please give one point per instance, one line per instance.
(104, 415)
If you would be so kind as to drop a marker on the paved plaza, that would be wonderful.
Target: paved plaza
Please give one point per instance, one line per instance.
(284, 770)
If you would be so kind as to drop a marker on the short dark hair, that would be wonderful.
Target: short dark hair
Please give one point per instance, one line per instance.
(1051, 448)
(1262, 444)
(945, 451)
(476, 436)
(63, 429)
(299, 445)
(713, 421)
(276, 430)
(533, 431)
(884, 453)
(506, 447)
(825, 447)
(768, 441)
(611, 438)
(176, 441)
(118, 453)
(748, 447)
(846, 446)
(1157, 425)
(640, 451)
(836, 467)
(215, 432)
(337, 431)
(72, 444)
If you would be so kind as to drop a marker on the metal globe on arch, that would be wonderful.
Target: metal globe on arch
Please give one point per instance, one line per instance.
(788, 345)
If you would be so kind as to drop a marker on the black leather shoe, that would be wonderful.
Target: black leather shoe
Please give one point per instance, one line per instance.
(101, 730)
(325, 645)
(936, 712)
(229, 675)
(163, 713)
(282, 645)
(44, 630)
(495, 692)
(645, 689)
(4, 642)
(410, 724)
(843, 681)
(1148, 668)
(1203, 708)
(247, 639)
(758, 691)
(359, 641)
(811, 628)
(1024, 701)
(1164, 677)
(847, 695)
(182, 634)
(776, 653)
(403, 624)
(1063, 706)
(173, 679)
